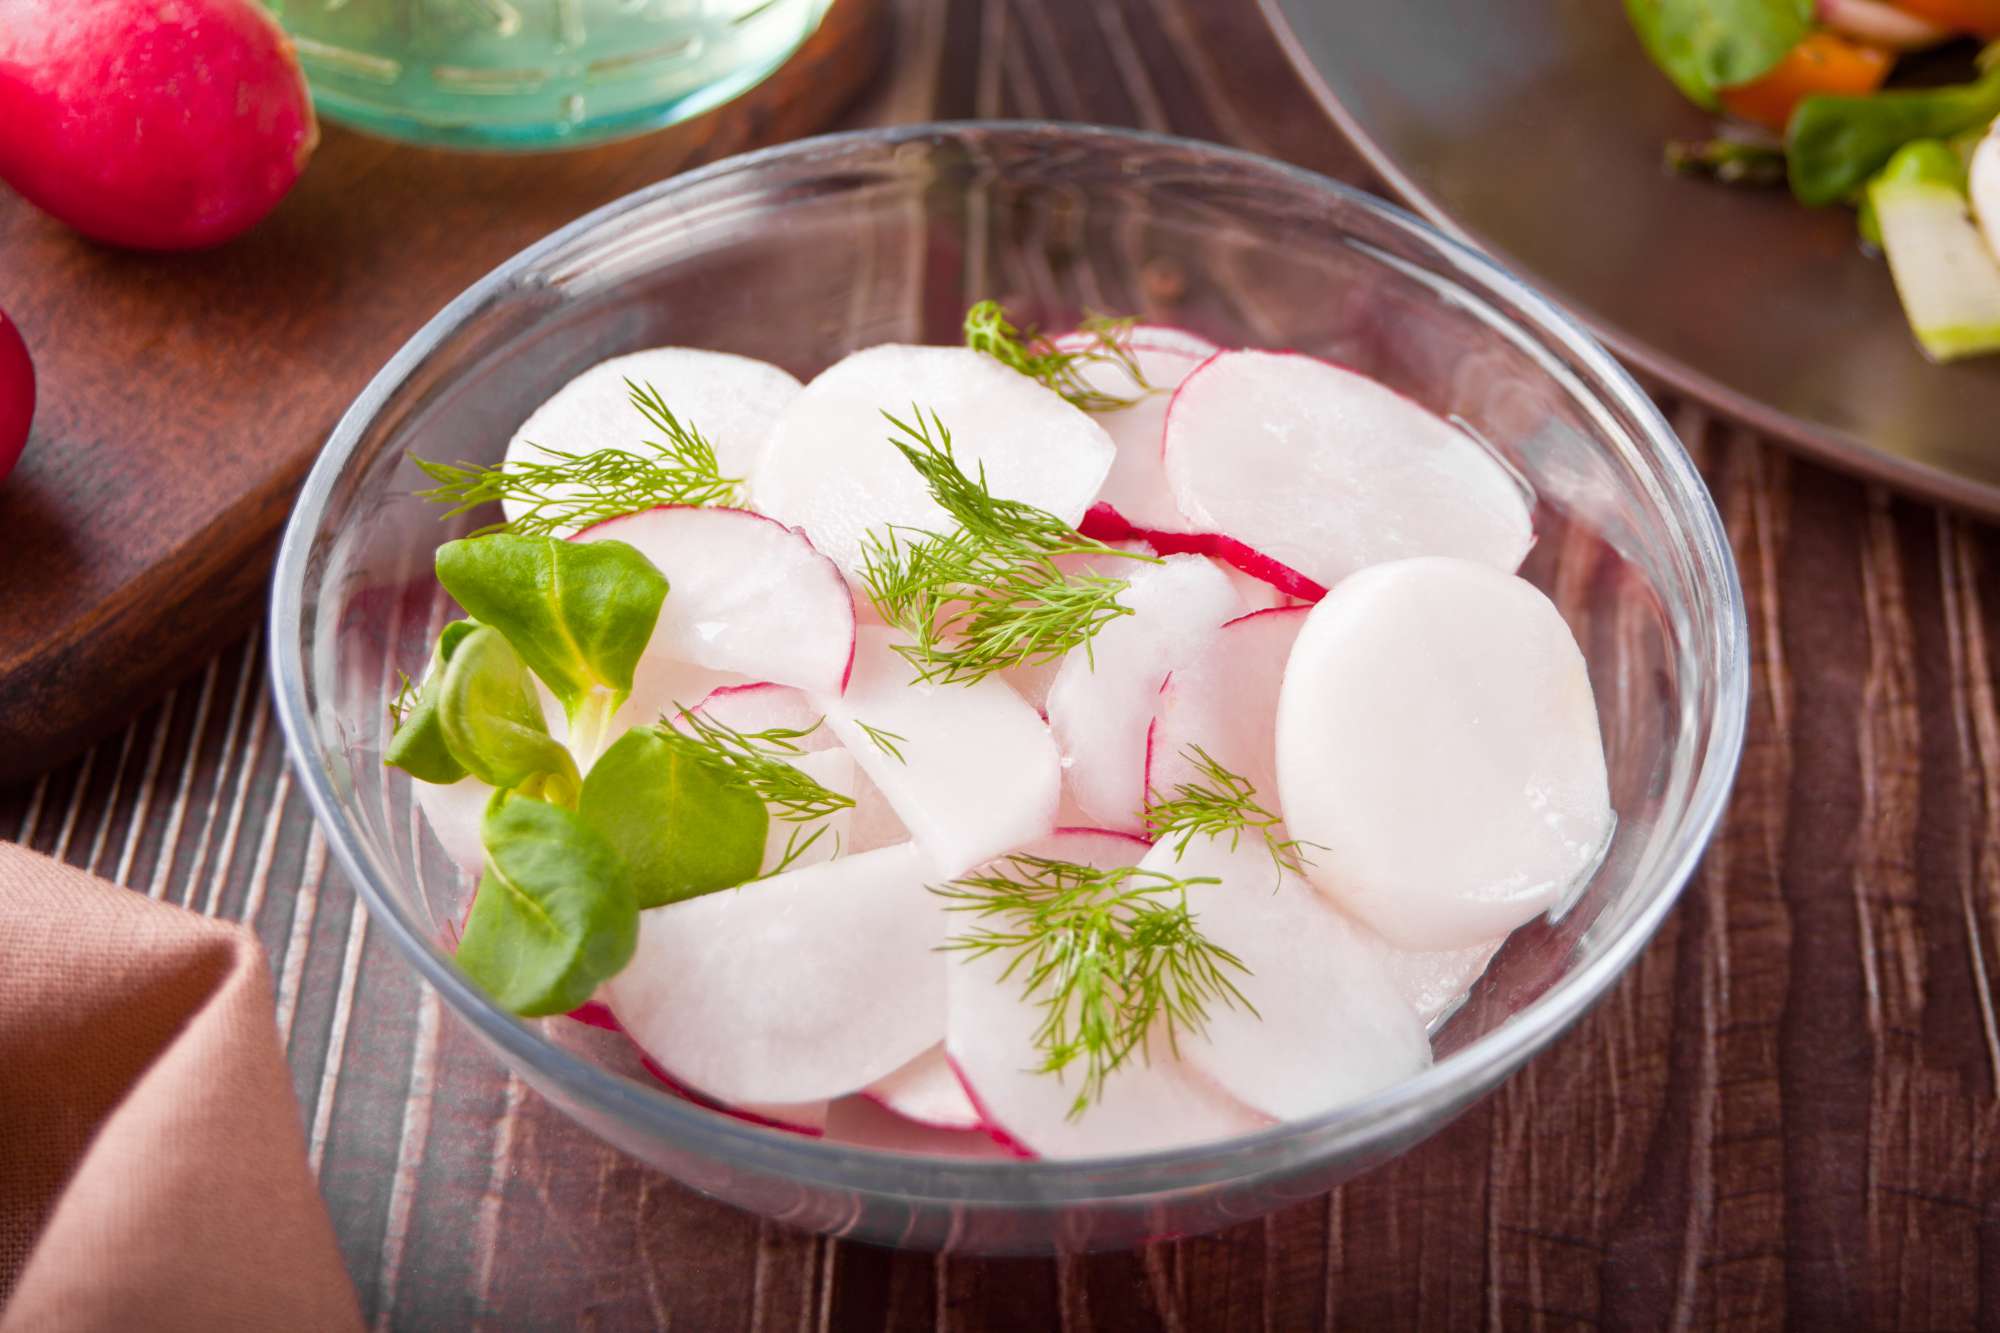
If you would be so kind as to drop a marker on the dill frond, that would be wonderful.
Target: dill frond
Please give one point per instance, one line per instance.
(757, 759)
(884, 740)
(988, 330)
(990, 594)
(403, 701)
(1219, 802)
(1106, 954)
(569, 491)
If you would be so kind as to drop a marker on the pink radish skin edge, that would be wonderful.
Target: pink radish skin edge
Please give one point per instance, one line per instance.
(1153, 727)
(853, 617)
(986, 1125)
(17, 394)
(1106, 524)
(593, 1014)
(151, 126)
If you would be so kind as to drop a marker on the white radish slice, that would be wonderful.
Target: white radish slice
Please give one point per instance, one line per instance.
(865, 1123)
(1983, 188)
(455, 812)
(1146, 1105)
(807, 1118)
(831, 470)
(1257, 595)
(822, 839)
(1435, 981)
(762, 706)
(732, 400)
(1329, 1026)
(745, 594)
(927, 1092)
(1103, 700)
(875, 822)
(661, 687)
(1225, 699)
(775, 992)
(1136, 488)
(1327, 471)
(975, 771)
(1438, 744)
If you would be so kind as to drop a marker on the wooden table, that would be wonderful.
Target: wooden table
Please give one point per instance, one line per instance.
(1787, 1109)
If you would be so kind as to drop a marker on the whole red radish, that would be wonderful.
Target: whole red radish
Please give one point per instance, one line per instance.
(17, 395)
(155, 124)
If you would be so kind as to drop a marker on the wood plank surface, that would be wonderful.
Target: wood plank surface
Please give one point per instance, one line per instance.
(1786, 1112)
(183, 396)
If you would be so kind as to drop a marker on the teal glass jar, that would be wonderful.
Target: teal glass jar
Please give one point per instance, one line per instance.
(534, 74)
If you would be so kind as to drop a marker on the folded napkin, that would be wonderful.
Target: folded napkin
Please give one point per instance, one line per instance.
(152, 1169)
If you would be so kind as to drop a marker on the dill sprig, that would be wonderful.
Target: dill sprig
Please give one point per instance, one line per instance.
(1219, 802)
(989, 594)
(571, 491)
(756, 759)
(988, 330)
(795, 848)
(1106, 954)
(884, 740)
(403, 701)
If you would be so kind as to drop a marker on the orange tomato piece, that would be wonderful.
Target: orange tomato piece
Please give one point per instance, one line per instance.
(1979, 17)
(1821, 63)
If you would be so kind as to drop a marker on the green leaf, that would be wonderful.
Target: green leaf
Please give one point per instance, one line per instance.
(1706, 45)
(554, 916)
(683, 824)
(491, 720)
(1834, 144)
(579, 613)
(418, 746)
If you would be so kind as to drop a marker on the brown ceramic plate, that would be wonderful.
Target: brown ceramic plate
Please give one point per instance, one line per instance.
(1534, 130)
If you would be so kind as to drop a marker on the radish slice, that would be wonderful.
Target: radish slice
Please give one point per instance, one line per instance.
(822, 839)
(1225, 699)
(661, 687)
(807, 1118)
(775, 992)
(866, 1124)
(1103, 700)
(1257, 594)
(744, 594)
(1327, 471)
(927, 1092)
(1147, 1104)
(1136, 488)
(1434, 982)
(977, 772)
(763, 706)
(1438, 744)
(455, 812)
(1107, 525)
(732, 400)
(832, 472)
(875, 822)
(1329, 1026)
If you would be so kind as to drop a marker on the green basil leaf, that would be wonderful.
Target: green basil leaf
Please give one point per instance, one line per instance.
(1706, 45)
(579, 613)
(418, 746)
(491, 719)
(683, 824)
(554, 916)
(1834, 144)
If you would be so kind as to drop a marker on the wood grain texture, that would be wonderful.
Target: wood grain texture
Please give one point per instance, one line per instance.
(183, 397)
(1788, 1110)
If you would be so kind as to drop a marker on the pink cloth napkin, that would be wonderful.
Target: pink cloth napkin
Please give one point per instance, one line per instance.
(152, 1168)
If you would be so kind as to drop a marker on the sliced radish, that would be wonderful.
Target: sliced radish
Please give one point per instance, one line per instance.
(927, 1092)
(764, 706)
(732, 400)
(661, 687)
(1136, 488)
(1257, 594)
(1438, 744)
(1107, 525)
(975, 771)
(1103, 700)
(455, 812)
(875, 822)
(1147, 1104)
(831, 470)
(1328, 1025)
(867, 1124)
(1435, 981)
(1327, 471)
(745, 594)
(811, 984)
(807, 1118)
(1225, 699)
(822, 839)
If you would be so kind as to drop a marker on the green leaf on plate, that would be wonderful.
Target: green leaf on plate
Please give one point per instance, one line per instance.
(579, 613)
(683, 824)
(1707, 45)
(491, 719)
(1834, 144)
(554, 917)
(418, 747)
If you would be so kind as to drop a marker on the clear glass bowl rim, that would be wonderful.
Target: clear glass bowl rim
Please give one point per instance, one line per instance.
(1368, 1130)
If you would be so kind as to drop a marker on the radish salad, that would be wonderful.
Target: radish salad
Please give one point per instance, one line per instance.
(1057, 746)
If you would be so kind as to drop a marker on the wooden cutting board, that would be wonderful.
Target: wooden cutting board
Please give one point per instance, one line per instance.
(182, 398)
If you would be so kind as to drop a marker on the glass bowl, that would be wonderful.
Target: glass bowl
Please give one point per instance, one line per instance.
(530, 74)
(802, 253)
